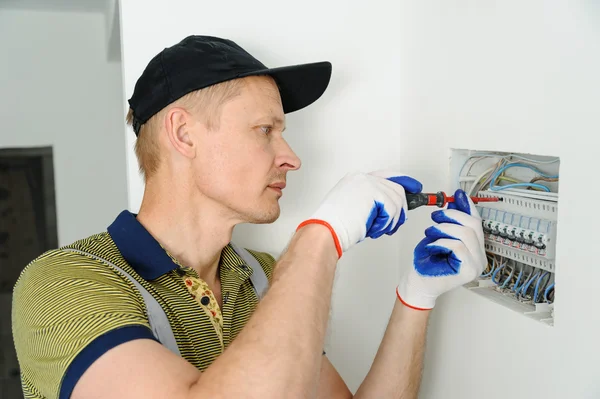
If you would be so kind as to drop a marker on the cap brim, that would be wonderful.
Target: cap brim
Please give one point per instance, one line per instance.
(299, 85)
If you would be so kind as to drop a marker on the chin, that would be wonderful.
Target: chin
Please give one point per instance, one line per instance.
(265, 216)
(266, 219)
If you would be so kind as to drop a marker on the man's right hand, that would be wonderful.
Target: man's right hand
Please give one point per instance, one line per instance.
(365, 205)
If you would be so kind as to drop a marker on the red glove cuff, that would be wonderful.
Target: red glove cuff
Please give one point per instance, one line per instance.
(406, 304)
(338, 247)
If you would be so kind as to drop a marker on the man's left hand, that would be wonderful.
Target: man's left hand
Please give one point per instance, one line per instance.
(451, 254)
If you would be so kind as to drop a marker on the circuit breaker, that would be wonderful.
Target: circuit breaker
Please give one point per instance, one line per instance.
(520, 230)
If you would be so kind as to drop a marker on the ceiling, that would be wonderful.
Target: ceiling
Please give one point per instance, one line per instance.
(55, 5)
(109, 8)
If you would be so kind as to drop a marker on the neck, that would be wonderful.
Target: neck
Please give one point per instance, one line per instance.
(193, 228)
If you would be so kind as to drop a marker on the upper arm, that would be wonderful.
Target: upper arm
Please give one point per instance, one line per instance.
(68, 311)
(331, 384)
(137, 369)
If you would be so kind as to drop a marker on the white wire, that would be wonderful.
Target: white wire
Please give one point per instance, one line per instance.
(478, 178)
(472, 157)
(534, 160)
(491, 154)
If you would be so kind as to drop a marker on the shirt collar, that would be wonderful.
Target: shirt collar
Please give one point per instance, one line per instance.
(139, 248)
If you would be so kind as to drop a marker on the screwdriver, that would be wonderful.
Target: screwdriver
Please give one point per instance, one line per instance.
(439, 199)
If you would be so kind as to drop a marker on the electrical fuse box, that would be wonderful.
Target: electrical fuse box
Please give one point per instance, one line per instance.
(520, 230)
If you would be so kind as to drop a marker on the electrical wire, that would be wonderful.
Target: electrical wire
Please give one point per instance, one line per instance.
(528, 283)
(551, 161)
(479, 178)
(496, 272)
(547, 291)
(551, 180)
(512, 272)
(510, 179)
(516, 286)
(521, 165)
(473, 159)
(512, 155)
(495, 173)
(492, 268)
(537, 286)
(524, 165)
(525, 280)
(516, 185)
(488, 177)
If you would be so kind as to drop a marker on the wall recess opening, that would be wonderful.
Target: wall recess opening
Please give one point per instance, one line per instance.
(28, 228)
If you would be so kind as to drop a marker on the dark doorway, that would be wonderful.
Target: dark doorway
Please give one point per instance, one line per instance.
(27, 229)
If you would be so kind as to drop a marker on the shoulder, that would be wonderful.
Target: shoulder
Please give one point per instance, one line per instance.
(63, 283)
(69, 309)
(68, 264)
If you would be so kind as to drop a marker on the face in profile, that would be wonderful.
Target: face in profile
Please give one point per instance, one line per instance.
(243, 162)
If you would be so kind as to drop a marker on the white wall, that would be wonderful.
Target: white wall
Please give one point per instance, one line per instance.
(411, 80)
(57, 88)
(515, 76)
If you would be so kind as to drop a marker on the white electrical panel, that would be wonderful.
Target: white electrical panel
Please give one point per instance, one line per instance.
(520, 229)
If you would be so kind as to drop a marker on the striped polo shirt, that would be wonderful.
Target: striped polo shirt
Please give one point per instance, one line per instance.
(69, 308)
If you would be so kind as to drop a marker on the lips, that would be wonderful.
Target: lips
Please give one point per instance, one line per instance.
(280, 185)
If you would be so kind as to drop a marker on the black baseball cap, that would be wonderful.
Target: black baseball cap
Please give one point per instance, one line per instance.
(201, 61)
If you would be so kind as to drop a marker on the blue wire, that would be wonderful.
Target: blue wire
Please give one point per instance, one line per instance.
(524, 165)
(548, 289)
(512, 272)
(488, 274)
(515, 185)
(491, 271)
(493, 186)
(537, 286)
(518, 291)
(496, 272)
(516, 286)
(484, 154)
(526, 285)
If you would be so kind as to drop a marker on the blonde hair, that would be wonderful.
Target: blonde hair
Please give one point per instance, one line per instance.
(205, 102)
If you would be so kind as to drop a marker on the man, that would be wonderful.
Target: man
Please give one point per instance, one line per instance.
(209, 120)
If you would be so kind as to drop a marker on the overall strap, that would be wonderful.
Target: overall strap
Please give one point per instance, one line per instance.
(159, 323)
(258, 278)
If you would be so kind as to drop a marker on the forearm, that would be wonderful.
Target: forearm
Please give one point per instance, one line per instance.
(396, 370)
(278, 353)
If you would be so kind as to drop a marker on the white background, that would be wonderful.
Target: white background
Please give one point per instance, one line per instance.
(410, 81)
(57, 88)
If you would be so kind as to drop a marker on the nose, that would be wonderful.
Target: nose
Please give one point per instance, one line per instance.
(285, 157)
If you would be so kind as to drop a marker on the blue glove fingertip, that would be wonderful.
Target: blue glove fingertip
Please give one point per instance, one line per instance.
(441, 217)
(399, 223)
(435, 233)
(462, 202)
(410, 185)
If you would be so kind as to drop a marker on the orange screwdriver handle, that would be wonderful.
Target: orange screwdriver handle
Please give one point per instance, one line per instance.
(439, 199)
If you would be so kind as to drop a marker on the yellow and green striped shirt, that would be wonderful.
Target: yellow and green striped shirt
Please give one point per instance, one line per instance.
(69, 309)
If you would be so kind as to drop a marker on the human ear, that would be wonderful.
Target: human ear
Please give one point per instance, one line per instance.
(177, 123)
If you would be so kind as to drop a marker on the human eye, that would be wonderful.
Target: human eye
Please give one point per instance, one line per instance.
(266, 129)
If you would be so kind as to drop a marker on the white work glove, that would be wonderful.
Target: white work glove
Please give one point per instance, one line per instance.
(451, 254)
(364, 205)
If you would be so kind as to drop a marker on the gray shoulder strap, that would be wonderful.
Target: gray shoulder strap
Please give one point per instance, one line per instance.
(159, 323)
(258, 278)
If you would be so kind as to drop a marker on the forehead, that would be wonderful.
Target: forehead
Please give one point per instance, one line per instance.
(260, 93)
